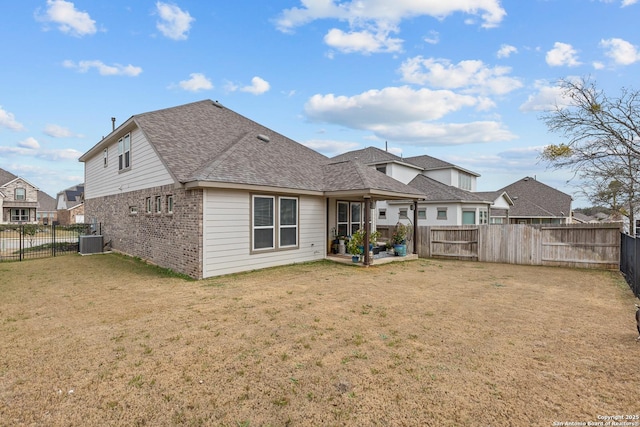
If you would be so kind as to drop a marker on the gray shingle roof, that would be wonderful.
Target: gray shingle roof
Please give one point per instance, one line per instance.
(435, 191)
(531, 198)
(206, 142)
(354, 175)
(431, 163)
(6, 176)
(368, 156)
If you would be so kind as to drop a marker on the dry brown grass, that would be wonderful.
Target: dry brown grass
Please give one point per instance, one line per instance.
(106, 340)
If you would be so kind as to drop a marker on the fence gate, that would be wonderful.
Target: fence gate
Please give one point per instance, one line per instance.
(24, 241)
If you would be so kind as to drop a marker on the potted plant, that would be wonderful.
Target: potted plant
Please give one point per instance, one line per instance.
(357, 241)
(399, 239)
(354, 248)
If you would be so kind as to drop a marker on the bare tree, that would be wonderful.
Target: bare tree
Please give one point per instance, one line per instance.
(602, 148)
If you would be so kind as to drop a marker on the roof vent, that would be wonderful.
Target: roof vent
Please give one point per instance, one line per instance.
(217, 104)
(263, 137)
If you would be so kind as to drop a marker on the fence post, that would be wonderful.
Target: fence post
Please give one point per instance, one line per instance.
(21, 241)
(53, 240)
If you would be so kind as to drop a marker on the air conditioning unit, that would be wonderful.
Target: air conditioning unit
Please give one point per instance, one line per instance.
(91, 244)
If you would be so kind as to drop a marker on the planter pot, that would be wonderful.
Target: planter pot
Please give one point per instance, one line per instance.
(400, 250)
(355, 258)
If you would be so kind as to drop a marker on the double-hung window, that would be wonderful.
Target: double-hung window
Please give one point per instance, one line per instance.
(288, 222)
(274, 222)
(20, 194)
(124, 152)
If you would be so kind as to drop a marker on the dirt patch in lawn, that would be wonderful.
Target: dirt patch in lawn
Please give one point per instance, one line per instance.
(106, 340)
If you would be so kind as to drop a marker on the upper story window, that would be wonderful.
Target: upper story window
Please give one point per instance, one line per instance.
(124, 152)
(403, 213)
(422, 214)
(382, 213)
(464, 181)
(381, 168)
(20, 194)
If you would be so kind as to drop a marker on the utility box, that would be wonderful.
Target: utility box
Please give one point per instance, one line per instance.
(92, 244)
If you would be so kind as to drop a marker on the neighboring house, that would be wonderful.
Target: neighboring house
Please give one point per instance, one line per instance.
(70, 205)
(18, 199)
(535, 203)
(449, 196)
(46, 212)
(205, 191)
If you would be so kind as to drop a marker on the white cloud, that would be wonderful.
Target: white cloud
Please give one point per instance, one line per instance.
(68, 19)
(473, 76)
(258, 86)
(57, 131)
(506, 50)
(103, 69)
(175, 23)
(196, 83)
(404, 114)
(621, 51)
(31, 148)
(364, 42)
(331, 148)
(372, 21)
(434, 134)
(8, 120)
(433, 37)
(379, 11)
(389, 105)
(30, 143)
(562, 54)
(546, 97)
(628, 2)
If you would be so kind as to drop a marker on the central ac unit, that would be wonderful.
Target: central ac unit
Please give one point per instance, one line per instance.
(91, 244)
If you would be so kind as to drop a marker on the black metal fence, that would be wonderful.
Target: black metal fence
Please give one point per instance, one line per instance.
(25, 241)
(630, 261)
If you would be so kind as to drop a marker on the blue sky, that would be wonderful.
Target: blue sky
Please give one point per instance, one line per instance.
(464, 81)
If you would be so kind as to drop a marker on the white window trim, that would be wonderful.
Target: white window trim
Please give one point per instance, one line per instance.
(124, 153)
(170, 204)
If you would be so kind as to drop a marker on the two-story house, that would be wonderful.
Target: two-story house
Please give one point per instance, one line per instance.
(18, 199)
(205, 191)
(449, 196)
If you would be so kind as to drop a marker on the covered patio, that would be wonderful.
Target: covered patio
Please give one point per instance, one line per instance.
(354, 182)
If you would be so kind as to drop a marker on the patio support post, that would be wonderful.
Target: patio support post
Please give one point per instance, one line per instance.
(367, 231)
(415, 226)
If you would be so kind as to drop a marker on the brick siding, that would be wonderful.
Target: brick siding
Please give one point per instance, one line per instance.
(170, 240)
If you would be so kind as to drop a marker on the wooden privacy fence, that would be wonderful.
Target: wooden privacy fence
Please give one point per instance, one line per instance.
(575, 245)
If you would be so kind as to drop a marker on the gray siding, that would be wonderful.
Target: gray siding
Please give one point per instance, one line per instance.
(146, 171)
(227, 238)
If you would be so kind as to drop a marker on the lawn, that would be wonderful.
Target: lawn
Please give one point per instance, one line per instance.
(107, 340)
